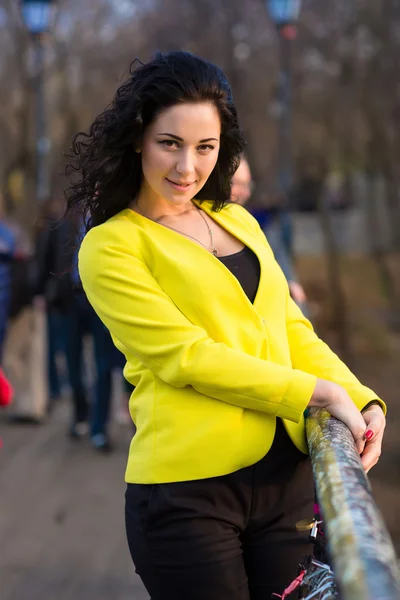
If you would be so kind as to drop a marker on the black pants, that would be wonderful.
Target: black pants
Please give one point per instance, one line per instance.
(225, 538)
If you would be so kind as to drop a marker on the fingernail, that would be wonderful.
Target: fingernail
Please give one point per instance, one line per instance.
(369, 434)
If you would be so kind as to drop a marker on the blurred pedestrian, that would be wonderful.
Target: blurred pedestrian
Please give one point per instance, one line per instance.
(7, 254)
(270, 221)
(72, 320)
(91, 410)
(51, 259)
(223, 360)
(242, 183)
(82, 321)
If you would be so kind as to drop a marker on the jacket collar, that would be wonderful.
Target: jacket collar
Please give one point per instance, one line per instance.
(229, 221)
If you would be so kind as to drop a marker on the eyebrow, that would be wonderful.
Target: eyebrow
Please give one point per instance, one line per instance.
(176, 137)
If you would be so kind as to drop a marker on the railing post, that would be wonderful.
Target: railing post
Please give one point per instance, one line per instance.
(359, 546)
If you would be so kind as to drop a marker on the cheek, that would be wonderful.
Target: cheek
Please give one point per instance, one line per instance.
(208, 165)
(153, 162)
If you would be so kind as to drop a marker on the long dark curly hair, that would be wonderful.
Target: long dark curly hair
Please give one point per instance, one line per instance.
(104, 169)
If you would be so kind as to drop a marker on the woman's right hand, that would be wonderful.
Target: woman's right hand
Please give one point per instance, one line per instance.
(334, 398)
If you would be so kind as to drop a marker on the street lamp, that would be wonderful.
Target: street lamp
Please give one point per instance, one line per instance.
(38, 17)
(284, 14)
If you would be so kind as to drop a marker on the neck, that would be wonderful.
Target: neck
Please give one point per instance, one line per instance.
(155, 208)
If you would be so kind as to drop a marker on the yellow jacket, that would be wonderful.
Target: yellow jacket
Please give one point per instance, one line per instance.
(212, 370)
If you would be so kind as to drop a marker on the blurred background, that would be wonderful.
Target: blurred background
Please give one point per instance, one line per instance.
(317, 87)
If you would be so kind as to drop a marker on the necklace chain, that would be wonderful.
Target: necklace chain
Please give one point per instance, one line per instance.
(210, 233)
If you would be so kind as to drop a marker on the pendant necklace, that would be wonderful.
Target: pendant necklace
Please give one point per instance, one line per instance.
(210, 233)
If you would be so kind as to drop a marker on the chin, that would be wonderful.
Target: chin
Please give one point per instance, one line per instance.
(180, 198)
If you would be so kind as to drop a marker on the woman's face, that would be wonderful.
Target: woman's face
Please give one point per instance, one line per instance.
(179, 152)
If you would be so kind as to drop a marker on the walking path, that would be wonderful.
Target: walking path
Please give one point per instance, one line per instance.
(61, 517)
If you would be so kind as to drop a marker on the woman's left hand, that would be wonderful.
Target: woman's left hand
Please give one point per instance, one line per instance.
(376, 423)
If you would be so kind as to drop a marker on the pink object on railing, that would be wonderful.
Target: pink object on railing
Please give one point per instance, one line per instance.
(292, 587)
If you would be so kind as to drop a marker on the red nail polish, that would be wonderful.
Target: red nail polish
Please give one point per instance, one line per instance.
(369, 434)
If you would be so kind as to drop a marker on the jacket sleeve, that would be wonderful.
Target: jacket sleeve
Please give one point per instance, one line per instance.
(151, 328)
(311, 355)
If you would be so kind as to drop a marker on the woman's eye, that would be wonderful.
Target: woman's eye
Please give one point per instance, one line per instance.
(205, 147)
(168, 143)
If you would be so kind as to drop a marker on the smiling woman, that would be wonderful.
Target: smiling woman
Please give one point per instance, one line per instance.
(177, 165)
(110, 156)
(223, 362)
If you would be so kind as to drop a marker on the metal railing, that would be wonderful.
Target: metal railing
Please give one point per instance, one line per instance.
(359, 545)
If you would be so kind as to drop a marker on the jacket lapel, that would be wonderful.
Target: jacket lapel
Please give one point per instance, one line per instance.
(229, 221)
(226, 219)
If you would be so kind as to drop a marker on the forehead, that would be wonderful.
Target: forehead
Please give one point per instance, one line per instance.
(189, 120)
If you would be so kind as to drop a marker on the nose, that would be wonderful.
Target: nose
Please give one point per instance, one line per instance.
(185, 164)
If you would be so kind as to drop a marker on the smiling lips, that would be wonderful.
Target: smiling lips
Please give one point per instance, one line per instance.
(179, 185)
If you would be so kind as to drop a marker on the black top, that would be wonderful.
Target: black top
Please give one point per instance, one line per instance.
(245, 266)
